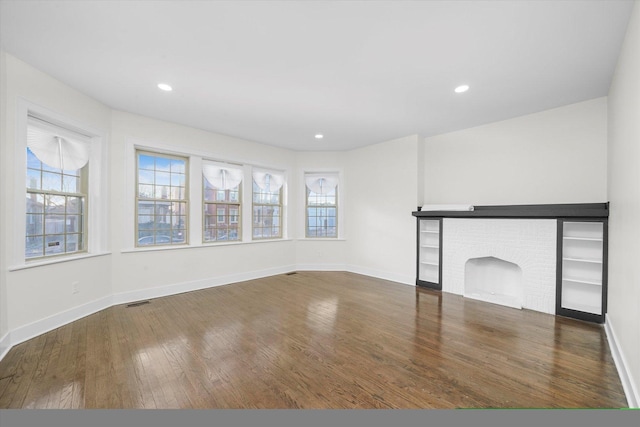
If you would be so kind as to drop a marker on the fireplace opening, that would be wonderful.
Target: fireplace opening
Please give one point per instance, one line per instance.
(493, 280)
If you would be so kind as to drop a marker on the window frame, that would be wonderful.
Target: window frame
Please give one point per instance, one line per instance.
(82, 194)
(281, 205)
(225, 204)
(335, 206)
(169, 156)
(197, 157)
(96, 208)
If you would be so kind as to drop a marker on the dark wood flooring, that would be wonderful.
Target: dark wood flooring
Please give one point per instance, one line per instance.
(314, 340)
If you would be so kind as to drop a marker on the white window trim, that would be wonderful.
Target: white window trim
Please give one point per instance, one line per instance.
(98, 191)
(284, 199)
(196, 202)
(243, 200)
(340, 203)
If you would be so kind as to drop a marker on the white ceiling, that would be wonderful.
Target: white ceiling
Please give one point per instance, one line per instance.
(359, 72)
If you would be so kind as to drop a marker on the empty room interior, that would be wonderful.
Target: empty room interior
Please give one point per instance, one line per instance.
(390, 204)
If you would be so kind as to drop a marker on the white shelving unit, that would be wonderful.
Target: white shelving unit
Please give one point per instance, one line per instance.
(582, 266)
(429, 251)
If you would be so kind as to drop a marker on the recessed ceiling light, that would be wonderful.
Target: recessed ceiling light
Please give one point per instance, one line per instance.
(461, 88)
(319, 136)
(165, 87)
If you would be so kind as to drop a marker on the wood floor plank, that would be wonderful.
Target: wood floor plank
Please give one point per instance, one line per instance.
(314, 340)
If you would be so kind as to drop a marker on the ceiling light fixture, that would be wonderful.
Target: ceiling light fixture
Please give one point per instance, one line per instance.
(462, 88)
(319, 136)
(165, 87)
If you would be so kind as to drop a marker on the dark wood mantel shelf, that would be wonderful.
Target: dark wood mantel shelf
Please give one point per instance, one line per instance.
(572, 210)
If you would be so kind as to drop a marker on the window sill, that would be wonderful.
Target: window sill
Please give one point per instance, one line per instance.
(200, 246)
(322, 239)
(41, 263)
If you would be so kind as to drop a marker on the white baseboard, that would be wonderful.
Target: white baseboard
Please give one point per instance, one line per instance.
(626, 378)
(179, 288)
(5, 345)
(50, 323)
(321, 267)
(385, 275)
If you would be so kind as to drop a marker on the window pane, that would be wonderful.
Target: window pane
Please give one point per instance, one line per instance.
(178, 193)
(163, 178)
(180, 208)
(32, 161)
(209, 195)
(145, 177)
(161, 192)
(74, 205)
(55, 203)
(145, 191)
(34, 246)
(35, 203)
(51, 181)
(33, 179)
(35, 224)
(163, 164)
(146, 162)
(54, 224)
(74, 224)
(177, 180)
(178, 166)
(54, 244)
(74, 242)
(70, 184)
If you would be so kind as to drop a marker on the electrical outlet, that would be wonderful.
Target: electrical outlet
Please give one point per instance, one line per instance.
(74, 287)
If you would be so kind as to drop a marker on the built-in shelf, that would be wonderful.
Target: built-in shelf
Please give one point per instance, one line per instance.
(429, 252)
(582, 269)
(581, 261)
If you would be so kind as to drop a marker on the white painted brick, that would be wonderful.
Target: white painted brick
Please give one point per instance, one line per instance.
(528, 243)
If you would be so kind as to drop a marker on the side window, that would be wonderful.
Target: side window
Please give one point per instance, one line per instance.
(222, 202)
(267, 205)
(56, 190)
(161, 199)
(321, 210)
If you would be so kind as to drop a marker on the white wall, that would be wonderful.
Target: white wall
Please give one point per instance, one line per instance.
(623, 316)
(135, 270)
(319, 254)
(555, 156)
(4, 328)
(40, 292)
(383, 191)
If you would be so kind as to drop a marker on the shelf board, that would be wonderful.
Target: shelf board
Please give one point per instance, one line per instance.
(430, 231)
(430, 246)
(584, 307)
(590, 261)
(433, 264)
(582, 282)
(584, 239)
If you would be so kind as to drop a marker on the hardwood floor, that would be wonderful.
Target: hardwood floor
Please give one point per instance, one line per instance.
(314, 340)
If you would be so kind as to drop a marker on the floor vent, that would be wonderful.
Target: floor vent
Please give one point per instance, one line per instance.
(135, 304)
